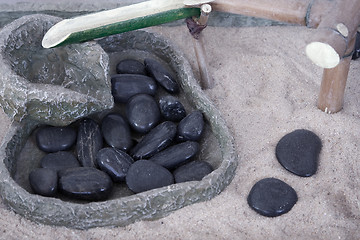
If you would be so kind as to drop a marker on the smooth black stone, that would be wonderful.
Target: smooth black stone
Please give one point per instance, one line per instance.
(171, 108)
(191, 127)
(156, 140)
(192, 171)
(85, 183)
(161, 75)
(59, 161)
(176, 155)
(89, 142)
(356, 53)
(54, 139)
(142, 112)
(116, 131)
(43, 181)
(114, 162)
(298, 152)
(145, 175)
(124, 86)
(272, 197)
(130, 66)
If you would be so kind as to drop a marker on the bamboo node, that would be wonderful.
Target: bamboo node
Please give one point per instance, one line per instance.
(343, 30)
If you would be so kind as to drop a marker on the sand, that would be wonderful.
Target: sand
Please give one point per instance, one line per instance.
(265, 87)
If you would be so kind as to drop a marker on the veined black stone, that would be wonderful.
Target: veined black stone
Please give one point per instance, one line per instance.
(156, 140)
(116, 131)
(176, 155)
(192, 171)
(43, 181)
(142, 112)
(53, 139)
(59, 161)
(124, 86)
(272, 197)
(171, 108)
(130, 66)
(114, 162)
(298, 152)
(85, 183)
(89, 142)
(161, 75)
(145, 175)
(191, 127)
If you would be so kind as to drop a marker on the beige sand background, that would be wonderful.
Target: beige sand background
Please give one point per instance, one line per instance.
(265, 88)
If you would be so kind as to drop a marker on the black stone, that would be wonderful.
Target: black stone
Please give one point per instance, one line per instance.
(59, 161)
(145, 175)
(192, 171)
(176, 155)
(191, 127)
(44, 181)
(356, 53)
(142, 112)
(298, 152)
(85, 183)
(53, 139)
(130, 66)
(272, 197)
(156, 70)
(124, 86)
(171, 108)
(114, 162)
(89, 142)
(116, 131)
(156, 140)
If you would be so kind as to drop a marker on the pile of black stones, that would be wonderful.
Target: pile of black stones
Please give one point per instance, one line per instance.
(298, 152)
(151, 144)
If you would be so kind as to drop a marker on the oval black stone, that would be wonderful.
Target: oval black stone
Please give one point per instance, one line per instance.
(176, 155)
(59, 161)
(142, 112)
(43, 181)
(85, 183)
(156, 140)
(298, 152)
(54, 139)
(89, 142)
(116, 131)
(171, 108)
(192, 171)
(114, 162)
(191, 127)
(161, 75)
(145, 175)
(124, 86)
(130, 66)
(272, 197)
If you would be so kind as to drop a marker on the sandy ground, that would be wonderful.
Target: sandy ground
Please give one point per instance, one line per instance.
(265, 88)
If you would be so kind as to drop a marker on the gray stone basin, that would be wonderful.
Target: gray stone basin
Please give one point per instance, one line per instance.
(123, 207)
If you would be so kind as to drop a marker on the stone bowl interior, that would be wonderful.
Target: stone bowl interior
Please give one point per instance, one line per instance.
(20, 154)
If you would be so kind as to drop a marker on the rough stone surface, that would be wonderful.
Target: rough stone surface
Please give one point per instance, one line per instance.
(44, 181)
(124, 86)
(171, 108)
(130, 66)
(89, 142)
(192, 171)
(114, 162)
(272, 197)
(298, 152)
(85, 183)
(54, 139)
(76, 77)
(145, 175)
(116, 131)
(59, 161)
(191, 127)
(142, 112)
(176, 155)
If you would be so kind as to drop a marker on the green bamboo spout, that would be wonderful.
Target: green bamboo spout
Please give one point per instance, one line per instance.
(123, 19)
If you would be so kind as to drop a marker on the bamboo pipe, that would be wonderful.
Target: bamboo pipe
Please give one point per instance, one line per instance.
(334, 34)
